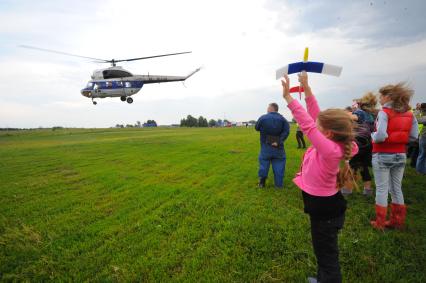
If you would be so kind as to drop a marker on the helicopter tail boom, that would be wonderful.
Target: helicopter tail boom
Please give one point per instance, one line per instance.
(151, 79)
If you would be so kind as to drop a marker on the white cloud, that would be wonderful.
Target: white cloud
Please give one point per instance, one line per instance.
(240, 44)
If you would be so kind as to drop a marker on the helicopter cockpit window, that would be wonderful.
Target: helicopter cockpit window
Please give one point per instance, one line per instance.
(127, 84)
(89, 85)
(114, 74)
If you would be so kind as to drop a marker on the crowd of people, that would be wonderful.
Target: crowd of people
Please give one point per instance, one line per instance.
(345, 143)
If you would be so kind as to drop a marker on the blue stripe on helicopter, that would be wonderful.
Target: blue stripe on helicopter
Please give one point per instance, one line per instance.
(116, 85)
(313, 67)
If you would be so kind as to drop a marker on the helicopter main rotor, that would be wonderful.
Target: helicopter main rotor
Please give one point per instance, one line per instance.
(112, 61)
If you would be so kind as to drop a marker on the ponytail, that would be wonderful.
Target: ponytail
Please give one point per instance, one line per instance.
(346, 174)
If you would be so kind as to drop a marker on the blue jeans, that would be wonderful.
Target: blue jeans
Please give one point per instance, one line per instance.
(388, 171)
(421, 159)
(276, 156)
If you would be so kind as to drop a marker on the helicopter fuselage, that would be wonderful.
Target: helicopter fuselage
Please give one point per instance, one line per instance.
(112, 87)
(117, 82)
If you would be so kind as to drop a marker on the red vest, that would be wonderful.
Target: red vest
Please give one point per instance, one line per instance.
(398, 130)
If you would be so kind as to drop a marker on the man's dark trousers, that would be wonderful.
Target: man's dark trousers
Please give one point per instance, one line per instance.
(276, 156)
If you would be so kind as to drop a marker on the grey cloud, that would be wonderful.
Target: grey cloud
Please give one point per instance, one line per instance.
(379, 23)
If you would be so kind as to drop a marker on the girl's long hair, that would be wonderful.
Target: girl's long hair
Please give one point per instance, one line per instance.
(400, 94)
(340, 124)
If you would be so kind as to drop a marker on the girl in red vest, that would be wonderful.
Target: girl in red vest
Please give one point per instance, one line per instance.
(395, 127)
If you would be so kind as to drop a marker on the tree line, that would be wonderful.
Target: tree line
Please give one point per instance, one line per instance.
(148, 123)
(191, 121)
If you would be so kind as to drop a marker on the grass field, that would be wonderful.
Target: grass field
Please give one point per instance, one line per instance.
(177, 205)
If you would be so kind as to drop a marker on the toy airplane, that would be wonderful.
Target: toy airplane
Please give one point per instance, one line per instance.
(312, 67)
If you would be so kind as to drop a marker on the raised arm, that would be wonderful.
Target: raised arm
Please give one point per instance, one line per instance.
(306, 122)
(311, 102)
(312, 107)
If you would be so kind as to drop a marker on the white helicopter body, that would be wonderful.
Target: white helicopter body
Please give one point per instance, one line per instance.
(116, 81)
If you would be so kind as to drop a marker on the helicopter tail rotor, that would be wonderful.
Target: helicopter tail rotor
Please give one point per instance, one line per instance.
(193, 72)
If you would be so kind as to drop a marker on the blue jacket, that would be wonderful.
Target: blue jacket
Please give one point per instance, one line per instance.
(363, 117)
(273, 124)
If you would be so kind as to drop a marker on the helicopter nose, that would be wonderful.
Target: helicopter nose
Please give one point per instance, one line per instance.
(86, 93)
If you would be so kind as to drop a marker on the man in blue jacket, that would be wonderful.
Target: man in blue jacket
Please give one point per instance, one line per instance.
(274, 130)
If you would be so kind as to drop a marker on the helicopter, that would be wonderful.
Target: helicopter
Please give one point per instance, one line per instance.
(115, 81)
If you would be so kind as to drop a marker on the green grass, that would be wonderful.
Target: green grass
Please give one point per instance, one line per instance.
(177, 205)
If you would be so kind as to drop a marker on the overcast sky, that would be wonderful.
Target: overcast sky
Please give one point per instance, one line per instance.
(240, 44)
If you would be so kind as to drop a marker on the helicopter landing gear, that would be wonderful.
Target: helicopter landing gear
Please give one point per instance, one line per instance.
(94, 102)
(123, 98)
(129, 100)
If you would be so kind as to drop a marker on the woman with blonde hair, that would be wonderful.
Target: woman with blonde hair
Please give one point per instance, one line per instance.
(364, 117)
(395, 127)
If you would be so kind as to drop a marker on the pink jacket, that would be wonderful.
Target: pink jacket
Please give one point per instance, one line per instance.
(320, 165)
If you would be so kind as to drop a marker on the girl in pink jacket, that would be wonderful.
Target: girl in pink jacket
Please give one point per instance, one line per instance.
(332, 137)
